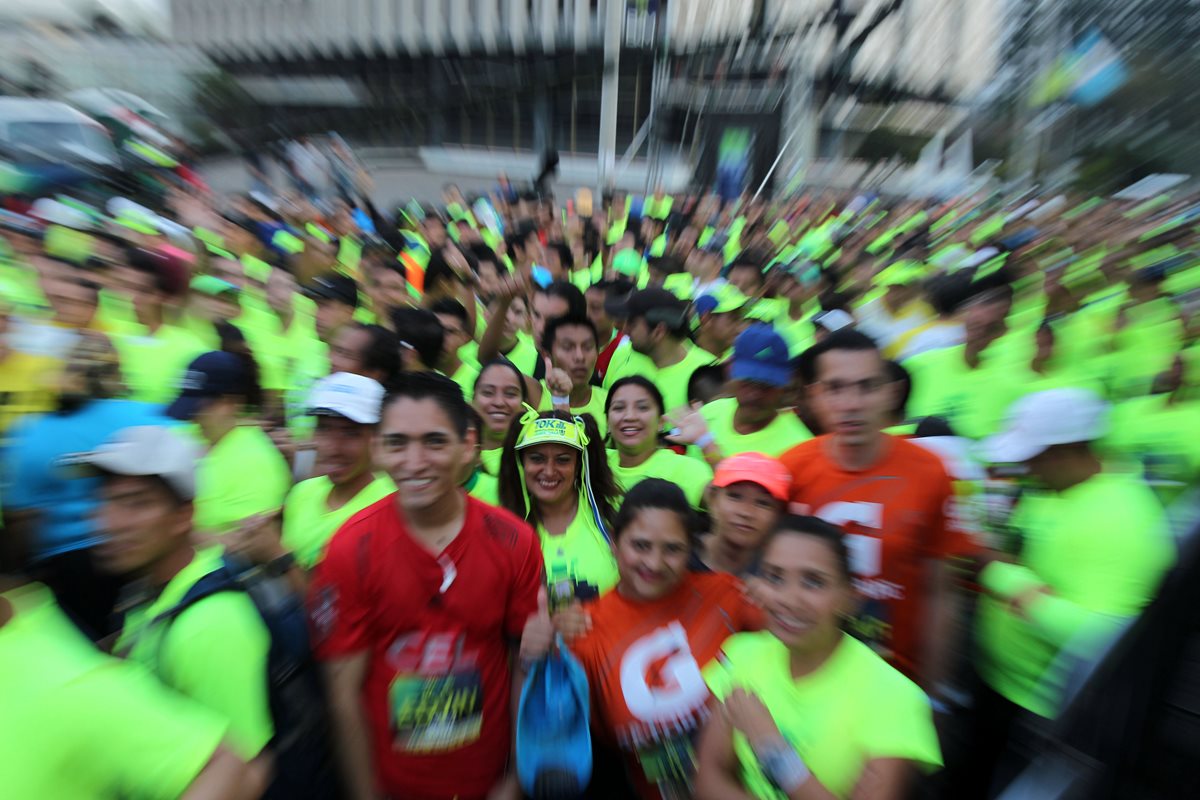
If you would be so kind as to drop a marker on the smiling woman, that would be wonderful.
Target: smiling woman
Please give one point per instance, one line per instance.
(634, 409)
(662, 620)
(554, 474)
(806, 705)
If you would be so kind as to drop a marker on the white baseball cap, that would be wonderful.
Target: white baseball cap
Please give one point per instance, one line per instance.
(344, 394)
(149, 451)
(1045, 419)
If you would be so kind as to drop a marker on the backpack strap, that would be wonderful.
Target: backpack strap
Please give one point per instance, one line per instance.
(219, 580)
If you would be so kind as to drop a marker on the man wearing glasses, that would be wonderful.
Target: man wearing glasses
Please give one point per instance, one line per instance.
(893, 499)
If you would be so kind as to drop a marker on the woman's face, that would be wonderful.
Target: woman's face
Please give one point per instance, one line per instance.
(633, 419)
(497, 399)
(744, 513)
(550, 471)
(652, 554)
(802, 589)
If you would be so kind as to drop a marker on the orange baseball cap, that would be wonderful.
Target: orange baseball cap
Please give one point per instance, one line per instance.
(757, 468)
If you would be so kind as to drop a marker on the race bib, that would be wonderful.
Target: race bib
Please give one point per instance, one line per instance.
(435, 714)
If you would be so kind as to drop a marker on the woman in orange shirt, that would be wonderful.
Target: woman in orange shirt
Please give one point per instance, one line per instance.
(649, 640)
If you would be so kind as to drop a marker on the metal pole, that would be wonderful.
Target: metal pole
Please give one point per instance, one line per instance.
(613, 16)
(774, 164)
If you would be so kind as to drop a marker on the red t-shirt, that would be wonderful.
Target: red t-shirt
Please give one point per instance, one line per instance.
(643, 662)
(437, 631)
(897, 515)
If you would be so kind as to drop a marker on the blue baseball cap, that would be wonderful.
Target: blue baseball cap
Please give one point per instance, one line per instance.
(761, 355)
(209, 375)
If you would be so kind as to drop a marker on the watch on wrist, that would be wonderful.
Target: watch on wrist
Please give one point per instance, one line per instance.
(783, 767)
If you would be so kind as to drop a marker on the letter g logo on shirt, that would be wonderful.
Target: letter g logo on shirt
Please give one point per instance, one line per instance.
(660, 677)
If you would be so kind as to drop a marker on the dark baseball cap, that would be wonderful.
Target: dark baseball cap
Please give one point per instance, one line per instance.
(209, 375)
(654, 304)
(333, 286)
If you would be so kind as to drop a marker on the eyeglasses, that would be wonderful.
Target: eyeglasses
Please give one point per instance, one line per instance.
(861, 388)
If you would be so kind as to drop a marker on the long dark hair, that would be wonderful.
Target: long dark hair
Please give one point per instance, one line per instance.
(233, 341)
(513, 494)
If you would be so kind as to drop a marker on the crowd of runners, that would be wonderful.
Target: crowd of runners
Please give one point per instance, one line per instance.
(824, 497)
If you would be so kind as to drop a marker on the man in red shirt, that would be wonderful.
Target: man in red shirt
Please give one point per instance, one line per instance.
(414, 611)
(893, 499)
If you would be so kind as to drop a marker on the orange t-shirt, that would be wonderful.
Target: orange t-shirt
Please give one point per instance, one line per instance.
(644, 662)
(897, 515)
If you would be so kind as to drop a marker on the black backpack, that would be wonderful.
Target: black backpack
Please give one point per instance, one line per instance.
(301, 747)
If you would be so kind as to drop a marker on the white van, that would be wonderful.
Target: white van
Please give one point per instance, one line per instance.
(53, 143)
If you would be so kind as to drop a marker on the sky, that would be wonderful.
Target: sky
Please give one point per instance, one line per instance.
(135, 13)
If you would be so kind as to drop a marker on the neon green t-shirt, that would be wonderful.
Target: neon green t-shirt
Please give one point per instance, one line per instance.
(483, 487)
(672, 380)
(243, 475)
(153, 363)
(524, 354)
(465, 377)
(116, 314)
(79, 724)
(689, 474)
(1160, 440)
(852, 709)
(782, 434)
(580, 555)
(973, 401)
(1101, 548)
(215, 652)
(308, 522)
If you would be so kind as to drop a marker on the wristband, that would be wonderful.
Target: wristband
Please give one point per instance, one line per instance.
(783, 767)
(705, 440)
(555, 400)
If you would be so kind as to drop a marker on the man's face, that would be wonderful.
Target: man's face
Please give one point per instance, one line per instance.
(455, 334)
(142, 522)
(758, 402)
(74, 303)
(435, 234)
(641, 336)
(723, 329)
(331, 316)
(419, 447)
(983, 320)
(489, 278)
(545, 307)
(389, 288)
(748, 279)
(517, 318)
(596, 313)
(228, 270)
(347, 349)
(281, 289)
(343, 449)
(851, 396)
(213, 308)
(574, 350)
(143, 291)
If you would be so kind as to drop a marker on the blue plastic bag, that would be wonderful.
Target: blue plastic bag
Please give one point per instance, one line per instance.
(554, 740)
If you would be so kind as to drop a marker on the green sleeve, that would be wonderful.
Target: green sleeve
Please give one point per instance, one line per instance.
(134, 737)
(1059, 621)
(216, 654)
